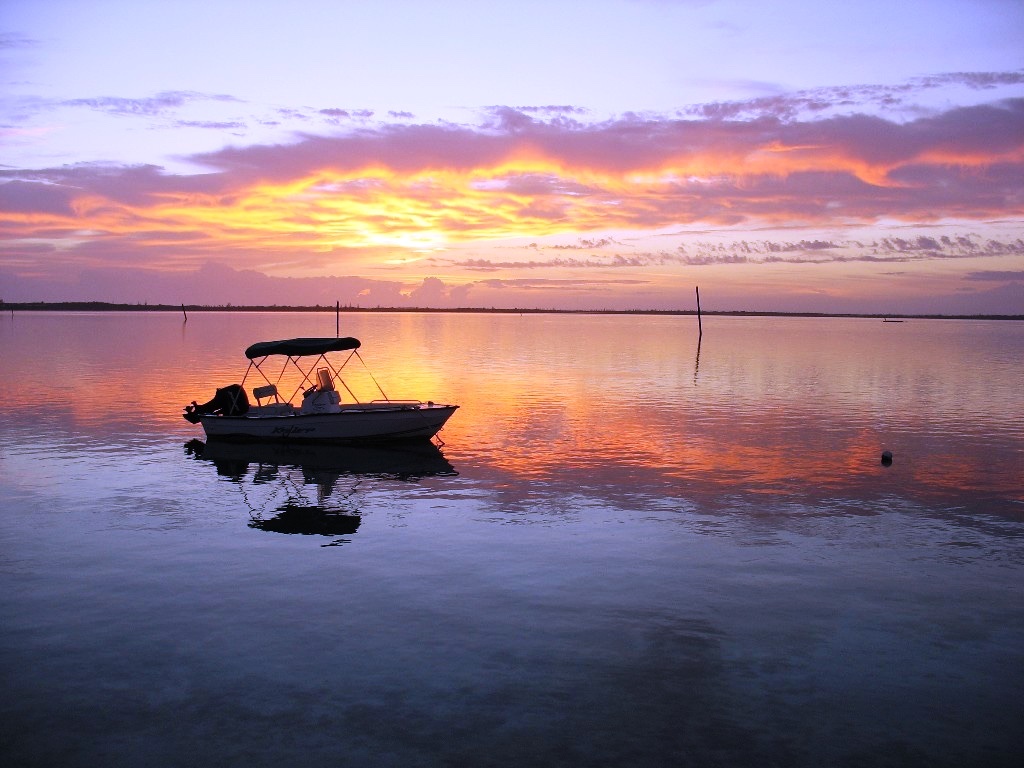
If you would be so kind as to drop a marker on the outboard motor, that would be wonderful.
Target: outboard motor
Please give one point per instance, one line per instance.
(227, 401)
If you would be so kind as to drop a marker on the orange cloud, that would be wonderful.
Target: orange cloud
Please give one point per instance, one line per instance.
(421, 188)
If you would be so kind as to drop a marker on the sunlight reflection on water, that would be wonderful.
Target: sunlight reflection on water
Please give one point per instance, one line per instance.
(623, 554)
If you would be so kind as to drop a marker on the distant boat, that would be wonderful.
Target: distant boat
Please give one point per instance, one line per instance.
(887, 320)
(321, 416)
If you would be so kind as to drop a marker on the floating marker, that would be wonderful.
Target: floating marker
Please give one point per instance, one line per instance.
(886, 458)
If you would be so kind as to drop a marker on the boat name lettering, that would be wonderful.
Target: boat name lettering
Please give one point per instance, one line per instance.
(291, 430)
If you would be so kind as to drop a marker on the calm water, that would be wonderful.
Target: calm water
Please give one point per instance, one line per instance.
(630, 550)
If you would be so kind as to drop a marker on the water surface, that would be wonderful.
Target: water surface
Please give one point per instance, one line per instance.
(631, 548)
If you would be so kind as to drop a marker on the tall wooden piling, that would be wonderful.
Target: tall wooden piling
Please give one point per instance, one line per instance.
(700, 327)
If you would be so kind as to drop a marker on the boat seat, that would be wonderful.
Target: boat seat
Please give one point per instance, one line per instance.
(268, 391)
(272, 409)
(324, 378)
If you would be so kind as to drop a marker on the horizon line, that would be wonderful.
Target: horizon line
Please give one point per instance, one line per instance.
(104, 306)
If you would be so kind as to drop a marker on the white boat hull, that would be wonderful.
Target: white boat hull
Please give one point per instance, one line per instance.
(353, 424)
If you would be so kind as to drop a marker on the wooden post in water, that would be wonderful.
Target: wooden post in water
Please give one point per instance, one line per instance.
(337, 320)
(184, 312)
(700, 327)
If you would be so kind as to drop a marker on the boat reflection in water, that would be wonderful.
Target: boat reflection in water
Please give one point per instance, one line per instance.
(308, 488)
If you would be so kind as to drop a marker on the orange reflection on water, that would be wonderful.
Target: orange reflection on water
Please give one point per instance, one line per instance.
(782, 410)
(803, 411)
(598, 442)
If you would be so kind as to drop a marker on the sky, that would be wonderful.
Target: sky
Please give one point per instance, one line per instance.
(788, 156)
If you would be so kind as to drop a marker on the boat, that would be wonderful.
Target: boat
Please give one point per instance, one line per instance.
(322, 414)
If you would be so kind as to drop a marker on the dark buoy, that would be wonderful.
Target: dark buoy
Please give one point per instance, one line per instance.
(886, 458)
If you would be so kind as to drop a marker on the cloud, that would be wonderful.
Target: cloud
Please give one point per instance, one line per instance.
(431, 292)
(563, 109)
(14, 41)
(838, 99)
(340, 116)
(996, 276)
(217, 284)
(895, 250)
(160, 104)
(977, 80)
(866, 160)
(382, 189)
(698, 253)
(212, 124)
(26, 197)
(586, 244)
(488, 265)
(541, 284)
(870, 158)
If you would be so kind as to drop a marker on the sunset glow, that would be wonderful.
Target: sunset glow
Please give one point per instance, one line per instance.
(866, 191)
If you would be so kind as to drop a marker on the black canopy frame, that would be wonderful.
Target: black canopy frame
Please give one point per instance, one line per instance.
(294, 350)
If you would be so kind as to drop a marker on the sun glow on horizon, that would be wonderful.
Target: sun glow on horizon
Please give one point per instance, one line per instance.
(611, 213)
(426, 210)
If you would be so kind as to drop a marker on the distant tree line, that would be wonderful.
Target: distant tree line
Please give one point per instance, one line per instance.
(103, 306)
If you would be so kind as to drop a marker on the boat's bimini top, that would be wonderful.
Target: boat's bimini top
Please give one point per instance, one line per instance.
(301, 347)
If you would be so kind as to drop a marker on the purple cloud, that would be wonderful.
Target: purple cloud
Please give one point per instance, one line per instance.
(160, 104)
(996, 276)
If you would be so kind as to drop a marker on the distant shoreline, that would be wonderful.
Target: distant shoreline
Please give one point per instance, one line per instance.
(101, 306)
